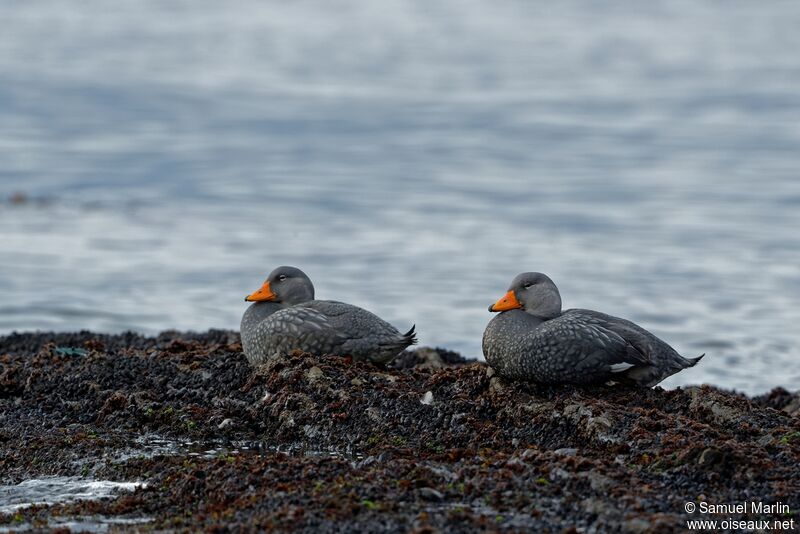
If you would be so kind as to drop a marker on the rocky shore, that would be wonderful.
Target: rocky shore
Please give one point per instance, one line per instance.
(431, 443)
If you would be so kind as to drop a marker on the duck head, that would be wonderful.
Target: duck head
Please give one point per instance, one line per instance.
(286, 285)
(534, 293)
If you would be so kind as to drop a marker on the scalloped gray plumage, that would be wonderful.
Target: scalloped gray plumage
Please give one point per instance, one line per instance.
(536, 341)
(295, 321)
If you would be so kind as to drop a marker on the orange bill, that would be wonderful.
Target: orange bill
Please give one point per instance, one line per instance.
(262, 294)
(507, 302)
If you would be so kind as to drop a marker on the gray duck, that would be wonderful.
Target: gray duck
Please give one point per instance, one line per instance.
(285, 317)
(532, 339)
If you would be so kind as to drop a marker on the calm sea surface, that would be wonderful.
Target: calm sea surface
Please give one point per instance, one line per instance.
(411, 157)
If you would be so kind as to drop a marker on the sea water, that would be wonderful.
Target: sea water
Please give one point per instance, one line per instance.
(157, 160)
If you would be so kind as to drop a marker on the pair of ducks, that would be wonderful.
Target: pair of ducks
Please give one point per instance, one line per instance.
(530, 339)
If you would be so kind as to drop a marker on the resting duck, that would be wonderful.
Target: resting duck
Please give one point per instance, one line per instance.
(532, 339)
(284, 317)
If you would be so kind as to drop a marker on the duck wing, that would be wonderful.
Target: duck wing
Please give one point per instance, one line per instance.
(301, 328)
(571, 348)
(589, 344)
(366, 336)
(660, 359)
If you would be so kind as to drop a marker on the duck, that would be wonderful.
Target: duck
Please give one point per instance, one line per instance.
(285, 317)
(532, 339)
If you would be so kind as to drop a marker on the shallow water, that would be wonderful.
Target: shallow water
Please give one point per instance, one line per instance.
(59, 490)
(412, 157)
(53, 490)
(90, 523)
(149, 446)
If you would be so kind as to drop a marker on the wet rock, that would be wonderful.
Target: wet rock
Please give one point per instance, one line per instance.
(710, 456)
(721, 409)
(314, 444)
(385, 377)
(225, 424)
(374, 414)
(496, 384)
(780, 399)
(427, 358)
(560, 474)
(600, 483)
(599, 427)
(10, 383)
(430, 494)
(314, 374)
(637, 525)
(566, 451)
(598, 507)
(117, 401)
(793, 406)
(765, 440)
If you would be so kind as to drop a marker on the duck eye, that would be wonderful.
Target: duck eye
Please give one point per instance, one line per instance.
(282, 277)
(526, 286)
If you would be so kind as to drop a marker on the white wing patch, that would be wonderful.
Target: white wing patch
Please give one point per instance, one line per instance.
(620, 367)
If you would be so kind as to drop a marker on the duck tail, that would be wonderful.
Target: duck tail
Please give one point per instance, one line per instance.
(400, 343)
(410, 337)
(693, 361)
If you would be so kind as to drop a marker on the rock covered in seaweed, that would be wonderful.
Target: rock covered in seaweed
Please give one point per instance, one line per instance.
(484, 453)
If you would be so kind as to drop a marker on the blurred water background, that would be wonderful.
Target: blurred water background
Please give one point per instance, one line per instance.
(158, 159)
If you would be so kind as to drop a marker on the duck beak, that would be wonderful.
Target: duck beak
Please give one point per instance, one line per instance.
(507, 302)
(264, 293)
